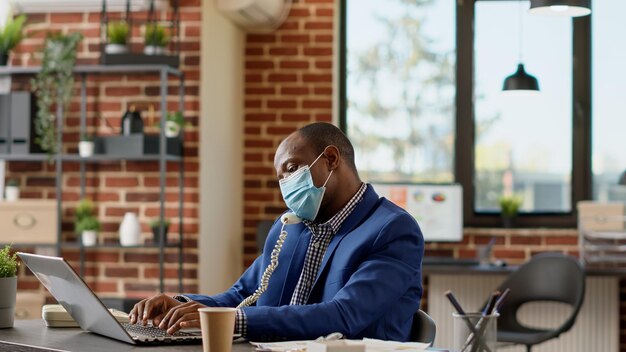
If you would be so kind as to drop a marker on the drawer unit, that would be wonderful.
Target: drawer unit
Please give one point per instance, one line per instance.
(28, 221)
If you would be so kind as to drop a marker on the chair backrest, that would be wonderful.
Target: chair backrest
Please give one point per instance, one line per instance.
(262, 229)
(423, 328)
(546, 277)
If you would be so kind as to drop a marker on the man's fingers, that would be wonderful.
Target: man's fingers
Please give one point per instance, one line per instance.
(137, 311)
(190, 324)
(174, 314)
(187, 317)
(156, 320)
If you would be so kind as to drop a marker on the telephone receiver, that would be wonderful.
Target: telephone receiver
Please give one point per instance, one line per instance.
(290, 219)
(285, 219)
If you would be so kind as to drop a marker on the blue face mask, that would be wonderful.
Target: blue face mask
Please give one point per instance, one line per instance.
(300, 194)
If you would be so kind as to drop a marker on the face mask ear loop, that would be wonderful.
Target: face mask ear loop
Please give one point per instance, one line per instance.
(316, 159)
(328, 178)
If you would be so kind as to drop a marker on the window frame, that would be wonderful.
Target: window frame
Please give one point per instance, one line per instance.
(581, 176)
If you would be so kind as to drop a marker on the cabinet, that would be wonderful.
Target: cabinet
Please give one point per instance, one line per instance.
(82, 73)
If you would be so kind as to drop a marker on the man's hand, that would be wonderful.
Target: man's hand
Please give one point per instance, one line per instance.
(153, 308)
(182, 316)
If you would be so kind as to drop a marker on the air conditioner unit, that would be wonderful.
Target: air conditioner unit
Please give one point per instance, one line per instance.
(42, 6)
(256, 16)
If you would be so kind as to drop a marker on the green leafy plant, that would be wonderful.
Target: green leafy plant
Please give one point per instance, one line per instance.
(12, 34)
(117, 32)
(509, 205)
(8, 262)
(12, 183)
(53, 86)
(84, 137)
(156, 35)
(178, 118)
(88, 224)
(155, 223)
(85, 219)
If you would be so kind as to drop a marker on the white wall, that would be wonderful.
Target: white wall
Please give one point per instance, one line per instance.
(221, 151)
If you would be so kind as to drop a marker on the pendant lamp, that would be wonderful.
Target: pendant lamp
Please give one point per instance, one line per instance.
(520, 83)
(561, 8)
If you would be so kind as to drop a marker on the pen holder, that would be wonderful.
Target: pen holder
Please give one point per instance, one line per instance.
(474, 332)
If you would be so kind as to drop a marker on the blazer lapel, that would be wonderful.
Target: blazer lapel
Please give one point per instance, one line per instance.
(358, 215)
(295, 265)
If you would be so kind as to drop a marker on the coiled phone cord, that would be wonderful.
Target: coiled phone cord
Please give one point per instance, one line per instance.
(265, 278)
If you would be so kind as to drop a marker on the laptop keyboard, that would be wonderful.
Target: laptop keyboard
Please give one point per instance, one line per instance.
(150, 331)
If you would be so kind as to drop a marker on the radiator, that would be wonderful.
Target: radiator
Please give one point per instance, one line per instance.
(596, 327)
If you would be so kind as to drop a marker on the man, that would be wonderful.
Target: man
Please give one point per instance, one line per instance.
(352, 266)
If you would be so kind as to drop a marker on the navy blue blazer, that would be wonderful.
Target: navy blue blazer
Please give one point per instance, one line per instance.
(369, 283)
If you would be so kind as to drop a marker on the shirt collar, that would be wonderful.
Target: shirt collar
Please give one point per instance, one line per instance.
(335, 222)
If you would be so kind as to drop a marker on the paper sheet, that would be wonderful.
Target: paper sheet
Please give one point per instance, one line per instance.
(371, 345)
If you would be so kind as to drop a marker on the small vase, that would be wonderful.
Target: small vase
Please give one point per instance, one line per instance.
(130, 230)
(85, 148)
(11, 193)
(90, 238)
(115, 49)
(153, 50)
(8, 293)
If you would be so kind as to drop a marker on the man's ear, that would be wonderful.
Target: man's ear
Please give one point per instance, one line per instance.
(332, 154)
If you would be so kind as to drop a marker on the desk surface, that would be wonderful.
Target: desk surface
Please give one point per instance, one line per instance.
(35, 335)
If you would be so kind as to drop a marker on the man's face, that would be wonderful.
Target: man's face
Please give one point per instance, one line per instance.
(293, 153)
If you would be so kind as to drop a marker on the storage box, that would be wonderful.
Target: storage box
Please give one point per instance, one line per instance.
(28, 221)
(595, 216)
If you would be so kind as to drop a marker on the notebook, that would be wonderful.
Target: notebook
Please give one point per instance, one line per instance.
(86, 308)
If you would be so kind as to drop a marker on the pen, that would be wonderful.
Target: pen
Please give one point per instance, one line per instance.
(461, 312)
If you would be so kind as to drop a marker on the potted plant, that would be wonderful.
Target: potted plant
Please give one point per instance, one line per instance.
(174, 124)
(12, 190)
(86, 224)
(8, 286)
(10, 36)
(53, 85)
(85, 146)
(155, 39)
(155, 225)
(117, 33)
(509, 206)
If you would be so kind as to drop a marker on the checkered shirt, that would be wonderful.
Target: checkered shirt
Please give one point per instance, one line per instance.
(322, 234)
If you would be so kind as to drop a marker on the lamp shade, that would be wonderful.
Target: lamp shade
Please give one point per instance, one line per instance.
(563, 8)
(520, 81)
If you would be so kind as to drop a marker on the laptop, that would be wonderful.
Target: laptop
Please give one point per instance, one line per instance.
(86, 308)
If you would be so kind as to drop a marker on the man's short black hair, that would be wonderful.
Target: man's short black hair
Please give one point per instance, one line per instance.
(322, 134)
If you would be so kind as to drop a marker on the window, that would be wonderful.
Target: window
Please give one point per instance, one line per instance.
(420, 97)
(609, 120)
(400, 88)
(523, 144)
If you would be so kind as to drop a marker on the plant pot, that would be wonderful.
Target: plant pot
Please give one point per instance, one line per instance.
(115, 49)
(172, 129)
(11, 193)
(508, 221)
(153, 50)
(85, 148)
(130, 230)
(8, 293)
(4, 59)
(89, 238)
(157, 238)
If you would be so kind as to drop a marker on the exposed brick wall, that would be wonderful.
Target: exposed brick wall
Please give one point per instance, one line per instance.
(288, 84)
(118, 187)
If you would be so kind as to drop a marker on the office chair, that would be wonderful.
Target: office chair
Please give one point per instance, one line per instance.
(423, 328)
(262, 228)
(546, 277)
